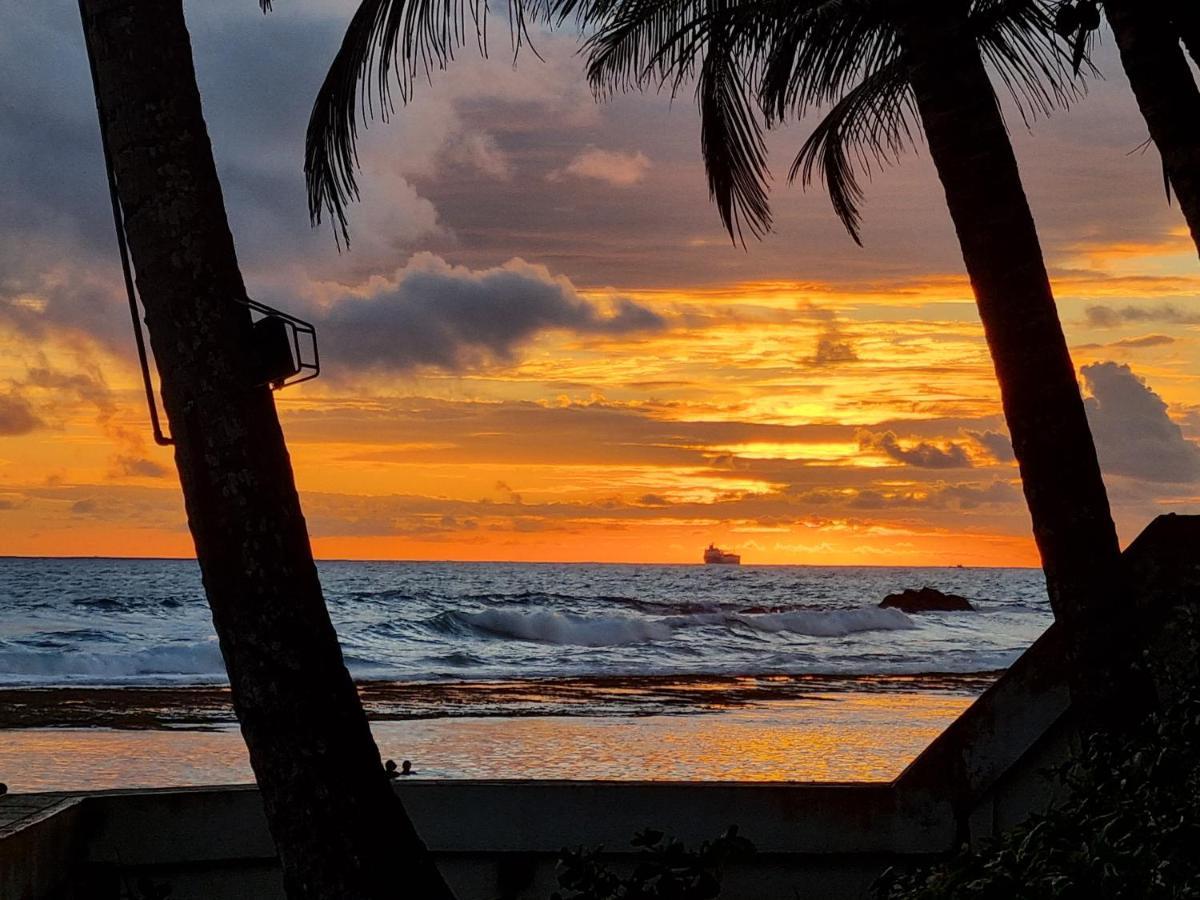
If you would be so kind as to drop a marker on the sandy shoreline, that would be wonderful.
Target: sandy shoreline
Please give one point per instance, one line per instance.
(764, 728)
(208, 706)
(773, 728)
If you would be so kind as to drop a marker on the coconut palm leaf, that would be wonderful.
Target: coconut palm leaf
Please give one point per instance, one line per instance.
(388, 46)
(731, 142)
(842, 57)
(1016, 38)
(839, 55)
(822, 53)
(871, 125)
(642, 44)
(754, 63)
(721, 45)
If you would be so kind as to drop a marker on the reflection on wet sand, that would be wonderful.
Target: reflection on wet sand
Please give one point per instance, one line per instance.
(208, 706)
(830, 736)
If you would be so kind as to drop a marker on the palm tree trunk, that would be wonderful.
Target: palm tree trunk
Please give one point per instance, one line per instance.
(1072, 524)
(339, 828)
(1166, 92)
(1185, 15)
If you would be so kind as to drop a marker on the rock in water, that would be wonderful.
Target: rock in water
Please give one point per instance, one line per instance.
(927, 599)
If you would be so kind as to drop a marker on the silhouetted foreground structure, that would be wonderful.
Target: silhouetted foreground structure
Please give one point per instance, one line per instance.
(984, 774)
(337, 827)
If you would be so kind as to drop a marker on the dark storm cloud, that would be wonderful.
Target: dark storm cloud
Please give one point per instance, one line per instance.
(87, 507)
(57, 245)
(592, 433)
(53, 182)
(1100, 316)
(971, 496)
(1135, 343)
(41, 298)
(139, 467)
(16, 416)
(258, 76)
(55, 230)
(150, 507)
(454, 318)
(413, 515)
(996, 443)
(1147, 340)
(833, 348)
(1134, 435)
(922, 455)
(961, 496)
(58, 266)
(87, 387)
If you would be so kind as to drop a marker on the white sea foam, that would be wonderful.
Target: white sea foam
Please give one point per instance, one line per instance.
(146, 621)
(564, 628)
(613, 631)
(828, 622)
(193, 660)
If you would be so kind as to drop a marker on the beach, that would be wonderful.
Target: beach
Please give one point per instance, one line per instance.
(110, 675)
(824, 736)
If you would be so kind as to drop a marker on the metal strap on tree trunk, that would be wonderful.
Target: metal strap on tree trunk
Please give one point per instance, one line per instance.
(301, 335)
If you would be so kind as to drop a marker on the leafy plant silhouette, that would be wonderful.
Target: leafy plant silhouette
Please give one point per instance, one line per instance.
(1130, 828)
(665, 869)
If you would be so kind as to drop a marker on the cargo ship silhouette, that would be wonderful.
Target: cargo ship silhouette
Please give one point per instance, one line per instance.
(715, 556)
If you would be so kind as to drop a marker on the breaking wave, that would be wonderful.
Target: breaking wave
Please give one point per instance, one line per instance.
(142, 622)
(190, 661)
(828, 622)
(614, 631)
(556, 627)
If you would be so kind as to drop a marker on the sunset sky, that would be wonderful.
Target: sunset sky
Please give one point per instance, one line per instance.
(542, 346)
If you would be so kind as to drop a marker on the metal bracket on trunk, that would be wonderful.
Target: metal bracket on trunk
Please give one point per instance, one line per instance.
(285, 347)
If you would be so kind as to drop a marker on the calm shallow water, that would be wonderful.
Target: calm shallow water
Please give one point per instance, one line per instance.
(845, 737)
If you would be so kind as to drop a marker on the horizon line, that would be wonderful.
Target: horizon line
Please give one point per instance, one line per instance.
(539, 562)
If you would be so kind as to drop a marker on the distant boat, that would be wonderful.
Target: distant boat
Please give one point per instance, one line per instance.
(714, 556)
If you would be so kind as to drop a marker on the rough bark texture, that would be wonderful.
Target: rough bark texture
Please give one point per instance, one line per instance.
(1166, 92)
(339, 828)
(1042, 404)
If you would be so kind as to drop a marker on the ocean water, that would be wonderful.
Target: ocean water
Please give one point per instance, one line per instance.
(145, 622)
(484, 670)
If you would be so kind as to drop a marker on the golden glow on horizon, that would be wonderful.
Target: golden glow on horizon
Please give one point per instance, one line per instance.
(827, 451)
(758, 419)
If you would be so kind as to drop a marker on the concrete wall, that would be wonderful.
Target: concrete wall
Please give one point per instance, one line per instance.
(40, 837)
(501, 839)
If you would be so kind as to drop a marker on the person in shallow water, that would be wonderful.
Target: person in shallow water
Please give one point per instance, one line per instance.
(393, 772)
